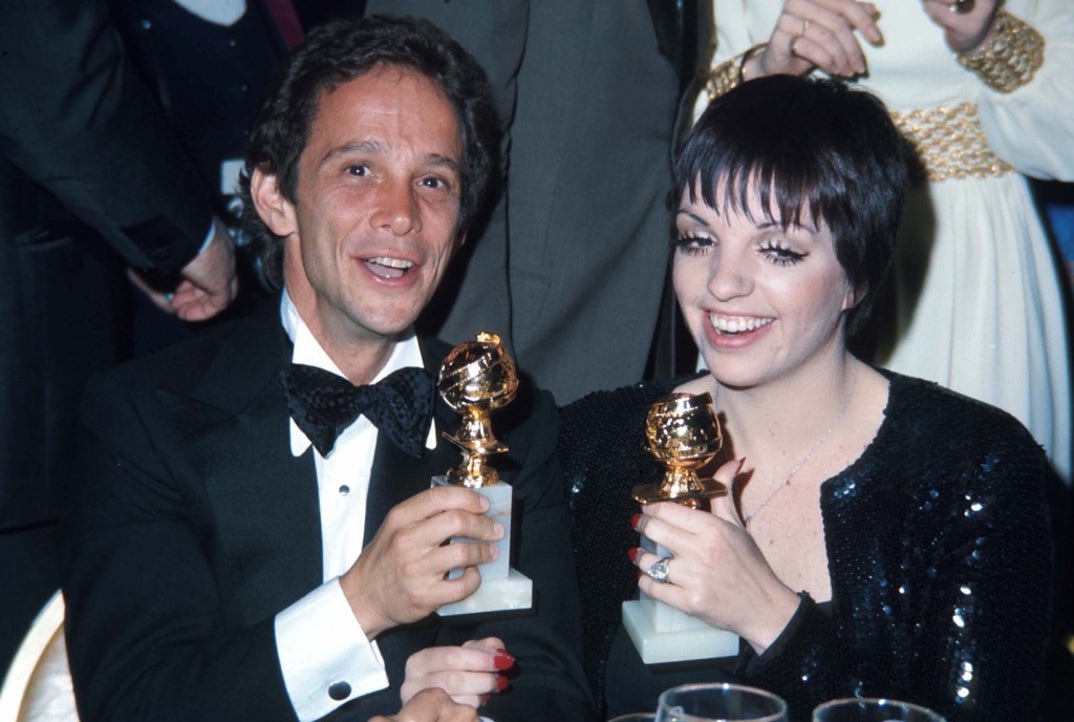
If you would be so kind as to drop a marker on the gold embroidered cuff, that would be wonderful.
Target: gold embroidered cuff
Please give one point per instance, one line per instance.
(1010, 57)
(728, 74)
(949, 142)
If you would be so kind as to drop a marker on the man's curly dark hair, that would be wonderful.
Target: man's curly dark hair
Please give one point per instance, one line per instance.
(338, 52)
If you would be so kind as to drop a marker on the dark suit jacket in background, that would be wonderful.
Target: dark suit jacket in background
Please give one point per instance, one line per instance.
(77, 128)
(195, 526)
(91, 179)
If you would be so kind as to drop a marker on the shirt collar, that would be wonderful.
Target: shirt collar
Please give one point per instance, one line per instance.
(308, 351)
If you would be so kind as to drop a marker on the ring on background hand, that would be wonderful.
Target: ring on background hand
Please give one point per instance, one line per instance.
(169, 297)
(962, 6)
(658, 572)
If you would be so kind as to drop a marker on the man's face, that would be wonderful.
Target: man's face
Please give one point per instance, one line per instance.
(376, 216)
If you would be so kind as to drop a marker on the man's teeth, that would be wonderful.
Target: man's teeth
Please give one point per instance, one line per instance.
(392, 262)
(738, 325)
(387, 267)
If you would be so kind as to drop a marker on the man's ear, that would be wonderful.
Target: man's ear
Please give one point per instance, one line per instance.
(276, 211)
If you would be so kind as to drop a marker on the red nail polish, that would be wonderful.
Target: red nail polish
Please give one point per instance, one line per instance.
(501, 683)
(485, 698)
(632, 552)
(503, 660)
(634, 520)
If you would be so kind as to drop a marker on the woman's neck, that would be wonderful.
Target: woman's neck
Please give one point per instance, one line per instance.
(779, 421)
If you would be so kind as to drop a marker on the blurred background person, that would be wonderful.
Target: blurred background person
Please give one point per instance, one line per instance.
(93, 183)
(567, 268)
(980, 90)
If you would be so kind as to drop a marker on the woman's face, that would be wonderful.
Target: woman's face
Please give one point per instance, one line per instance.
(762, 304)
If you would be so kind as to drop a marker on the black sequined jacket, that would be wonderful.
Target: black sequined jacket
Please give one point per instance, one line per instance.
(938, 549)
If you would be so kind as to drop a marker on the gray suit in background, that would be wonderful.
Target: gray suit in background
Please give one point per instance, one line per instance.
(579, 241)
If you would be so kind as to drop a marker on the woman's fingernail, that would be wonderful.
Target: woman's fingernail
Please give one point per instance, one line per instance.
(485, 698)
(634, 521)
(501, 683)
(632, 552)
(503, 660)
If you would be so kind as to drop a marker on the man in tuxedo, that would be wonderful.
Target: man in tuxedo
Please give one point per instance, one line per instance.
(237, 553)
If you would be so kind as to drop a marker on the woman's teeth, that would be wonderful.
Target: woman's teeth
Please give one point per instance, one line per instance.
(730, 326)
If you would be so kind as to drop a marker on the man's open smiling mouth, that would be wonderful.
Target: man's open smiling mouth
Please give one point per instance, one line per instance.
(387, 267)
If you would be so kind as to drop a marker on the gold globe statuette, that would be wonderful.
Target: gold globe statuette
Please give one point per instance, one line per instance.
(477, 378)
(684, 435)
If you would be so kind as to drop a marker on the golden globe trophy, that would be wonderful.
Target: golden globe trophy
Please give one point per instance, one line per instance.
(477, 378)
(684, 435)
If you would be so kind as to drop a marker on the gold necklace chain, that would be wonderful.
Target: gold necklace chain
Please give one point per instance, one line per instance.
(809, 455)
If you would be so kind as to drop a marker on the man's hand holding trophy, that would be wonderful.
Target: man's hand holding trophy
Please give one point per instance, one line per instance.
(477, 378)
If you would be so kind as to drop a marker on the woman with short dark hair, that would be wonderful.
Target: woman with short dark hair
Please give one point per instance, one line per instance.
(884, 536)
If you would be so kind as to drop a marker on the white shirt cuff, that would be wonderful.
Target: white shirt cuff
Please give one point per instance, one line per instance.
(324, 654)
(208, 236)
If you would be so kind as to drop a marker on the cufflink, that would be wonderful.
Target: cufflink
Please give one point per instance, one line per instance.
(339, 691)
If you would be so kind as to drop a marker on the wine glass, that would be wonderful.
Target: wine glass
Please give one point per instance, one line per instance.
(719, 702)
(634, 717)
(873, 710)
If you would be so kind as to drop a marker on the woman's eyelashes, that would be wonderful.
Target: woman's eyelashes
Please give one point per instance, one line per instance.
(691, 244)
(778, 251)
(775, 250)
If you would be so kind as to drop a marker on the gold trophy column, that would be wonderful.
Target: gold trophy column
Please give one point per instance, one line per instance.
(684, 435)
(477, 378)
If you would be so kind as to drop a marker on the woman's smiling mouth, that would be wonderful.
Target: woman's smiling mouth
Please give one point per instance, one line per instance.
(732, 325)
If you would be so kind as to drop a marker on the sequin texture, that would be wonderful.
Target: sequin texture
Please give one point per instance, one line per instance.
(938, 547)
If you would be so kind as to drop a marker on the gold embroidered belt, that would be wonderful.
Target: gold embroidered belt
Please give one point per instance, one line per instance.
(950, 142)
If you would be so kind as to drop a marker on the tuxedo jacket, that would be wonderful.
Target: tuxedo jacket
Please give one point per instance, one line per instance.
(194, 525)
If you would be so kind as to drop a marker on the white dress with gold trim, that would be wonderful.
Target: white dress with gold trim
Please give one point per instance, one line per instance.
(980, 308)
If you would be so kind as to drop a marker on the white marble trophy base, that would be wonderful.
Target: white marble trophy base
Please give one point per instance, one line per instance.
(502, 588)
(662, 633)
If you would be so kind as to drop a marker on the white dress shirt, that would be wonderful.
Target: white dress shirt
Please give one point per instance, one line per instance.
(320, 644)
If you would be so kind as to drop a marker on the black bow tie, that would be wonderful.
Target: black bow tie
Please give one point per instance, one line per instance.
(323, 405)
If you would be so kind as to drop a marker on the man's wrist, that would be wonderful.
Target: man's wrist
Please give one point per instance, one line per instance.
(324, 655)
(372, 623)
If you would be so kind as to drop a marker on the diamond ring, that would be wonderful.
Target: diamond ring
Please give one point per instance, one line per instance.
(658, 572)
